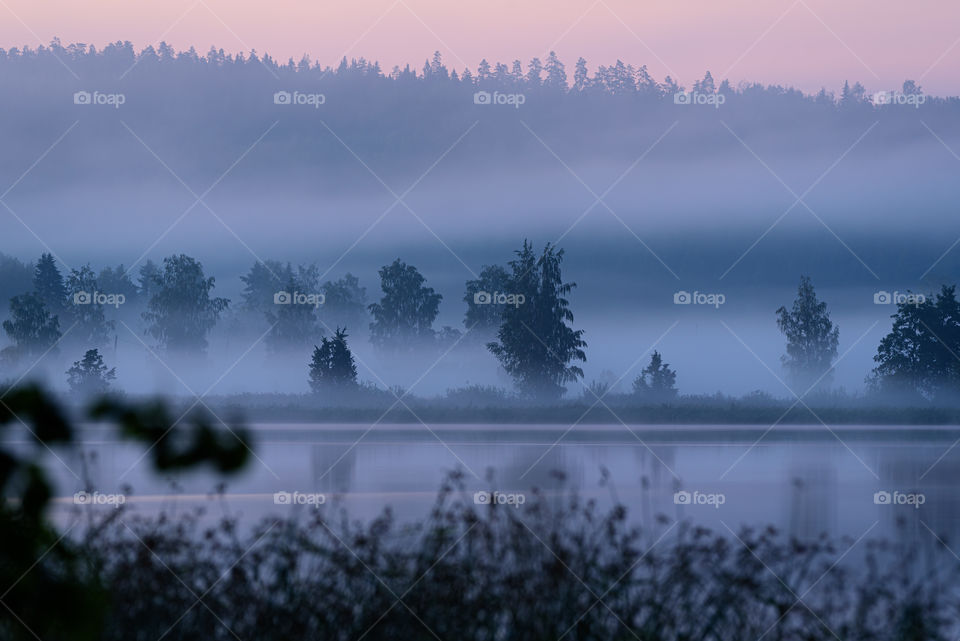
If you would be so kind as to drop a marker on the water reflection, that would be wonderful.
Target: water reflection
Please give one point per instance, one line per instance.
(805, 488)
(812, 500)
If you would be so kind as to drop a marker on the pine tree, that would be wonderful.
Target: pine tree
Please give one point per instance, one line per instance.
(483, 71)
(343, 368)
(621, 79)
(556, 73)
(646, 84)
(657, 382)
(706, 85)
(580, 75)
(501, 75)
(90, 376)
(332, 365)
(320, 365)
(49, 286)
(516, 74)
(534, 71)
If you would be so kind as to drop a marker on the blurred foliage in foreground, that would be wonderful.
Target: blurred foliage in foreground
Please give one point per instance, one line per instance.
(50, 589)
(553, 568)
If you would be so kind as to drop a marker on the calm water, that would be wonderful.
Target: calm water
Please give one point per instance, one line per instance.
(806, 480)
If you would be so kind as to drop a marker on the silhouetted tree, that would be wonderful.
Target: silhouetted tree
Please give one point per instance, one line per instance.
(516, 74)
(534, 71)
(181, 312)
(919, 355)
(812, 338)
(852, 96)
(657, 382)
(483, 70)
(345, 302)
(90, 376)
(436, 69)
(447, 337)
(670, 86)
(646, 84)
(332, 365)
(149, 276)
(707, 85)
(16, 277)
(49, 286)
(483, 314)
(911, 88)
(556, 73)
(31, 327)
(293, 317)
(116, 280)
(262, 281)
(581, 76)
(90, 326)
(343, 369)
(403, 319)
(535, 343)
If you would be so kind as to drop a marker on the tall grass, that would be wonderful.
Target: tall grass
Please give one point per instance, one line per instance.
(552, 569)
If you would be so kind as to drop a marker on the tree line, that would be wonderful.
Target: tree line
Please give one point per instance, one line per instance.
(549, 74)
(605, 111)
(520, 312)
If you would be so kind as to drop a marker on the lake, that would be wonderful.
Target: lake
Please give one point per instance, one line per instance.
(845, 480)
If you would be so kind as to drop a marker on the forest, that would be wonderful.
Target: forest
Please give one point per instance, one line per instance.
(519, 313)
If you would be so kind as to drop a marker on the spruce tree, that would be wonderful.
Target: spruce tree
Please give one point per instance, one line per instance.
(49, 285)
(657, 382)
(90, 376)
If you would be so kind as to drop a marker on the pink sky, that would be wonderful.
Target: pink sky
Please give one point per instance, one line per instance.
(804, 43)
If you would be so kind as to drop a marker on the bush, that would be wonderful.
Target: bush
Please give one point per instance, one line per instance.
(549, 570)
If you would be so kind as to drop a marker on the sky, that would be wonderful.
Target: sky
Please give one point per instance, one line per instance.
(803, 43)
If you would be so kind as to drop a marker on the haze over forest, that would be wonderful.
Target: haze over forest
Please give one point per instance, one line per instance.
(648, 195)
